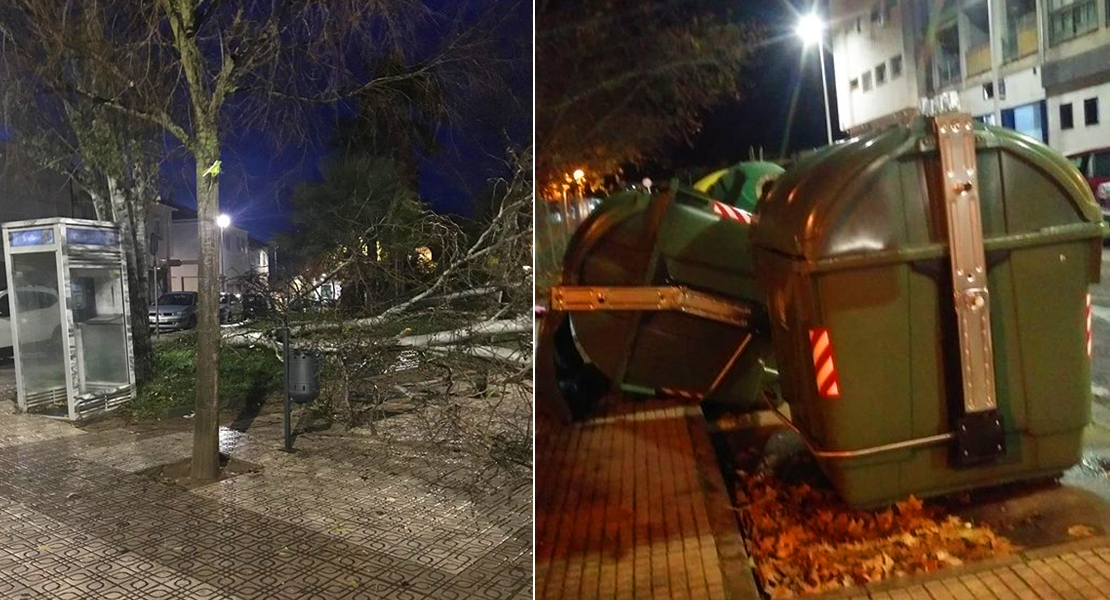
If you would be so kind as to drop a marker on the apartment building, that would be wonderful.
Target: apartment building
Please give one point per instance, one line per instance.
(1041, 67)
(244, 258)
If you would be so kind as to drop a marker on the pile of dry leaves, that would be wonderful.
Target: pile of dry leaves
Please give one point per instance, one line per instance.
(805, 541)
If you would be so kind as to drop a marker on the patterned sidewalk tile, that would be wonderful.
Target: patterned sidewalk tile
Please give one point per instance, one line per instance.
(343, 518)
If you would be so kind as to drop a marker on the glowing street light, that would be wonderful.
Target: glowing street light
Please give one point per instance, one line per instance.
(579, 175)
(223, 221)
(811, 30)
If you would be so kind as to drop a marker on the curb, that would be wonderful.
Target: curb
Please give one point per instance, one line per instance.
(732, 555)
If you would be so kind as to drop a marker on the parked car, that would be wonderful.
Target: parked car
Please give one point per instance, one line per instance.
(1095, 167)
(231, 308)
(256, 306)
(40, 322)
(174, 311)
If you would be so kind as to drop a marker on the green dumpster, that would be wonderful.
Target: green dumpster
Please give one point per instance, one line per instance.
(677, 239)
(927, 295)
(741, 185)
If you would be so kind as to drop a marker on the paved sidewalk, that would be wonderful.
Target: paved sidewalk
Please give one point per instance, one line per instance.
(631, 505)
(1078, 571)
(346, 517)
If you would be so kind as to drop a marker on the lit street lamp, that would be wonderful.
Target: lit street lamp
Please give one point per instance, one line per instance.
(223, 221)
(811, 30)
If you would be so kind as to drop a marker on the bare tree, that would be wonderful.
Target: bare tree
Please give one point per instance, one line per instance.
(111, 159)
(192, 68)
(616, 82)
(452, 350)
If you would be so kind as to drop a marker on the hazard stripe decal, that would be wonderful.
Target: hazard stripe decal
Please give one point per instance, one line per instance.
(732, 213)
(824, 367)
(683, 394)
(1090, 336)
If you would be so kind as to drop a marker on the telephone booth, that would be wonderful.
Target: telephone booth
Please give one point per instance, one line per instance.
(71, 334)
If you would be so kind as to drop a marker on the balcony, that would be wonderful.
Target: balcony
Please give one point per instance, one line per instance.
(978, 59)
(948, 69)
(1021, 40)
(1072, 19)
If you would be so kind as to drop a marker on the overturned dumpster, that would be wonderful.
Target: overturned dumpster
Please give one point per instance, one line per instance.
(921, 291)
(664, 298)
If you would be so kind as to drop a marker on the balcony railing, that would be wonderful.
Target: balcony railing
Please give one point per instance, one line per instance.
(979, 59)
(1021, 39)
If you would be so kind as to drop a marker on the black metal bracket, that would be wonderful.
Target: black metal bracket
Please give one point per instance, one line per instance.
(979, 438)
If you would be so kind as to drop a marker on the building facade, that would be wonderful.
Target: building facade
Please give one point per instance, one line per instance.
(1041, 67)
(243, 261)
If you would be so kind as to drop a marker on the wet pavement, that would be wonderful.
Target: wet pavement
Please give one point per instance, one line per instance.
(345, 517)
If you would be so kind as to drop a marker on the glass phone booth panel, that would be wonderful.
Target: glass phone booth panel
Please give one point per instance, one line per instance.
(70, 315)
(37, 317)
(98, 317)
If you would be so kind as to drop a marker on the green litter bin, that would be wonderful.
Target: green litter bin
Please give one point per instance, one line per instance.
(680, 237)
(909, 368)
(741, 185)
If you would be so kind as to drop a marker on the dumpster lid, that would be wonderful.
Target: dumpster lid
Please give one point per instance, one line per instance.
(872, 194)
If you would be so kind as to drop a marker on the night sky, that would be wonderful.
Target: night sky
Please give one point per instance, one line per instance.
(763, 116)
(258, 175)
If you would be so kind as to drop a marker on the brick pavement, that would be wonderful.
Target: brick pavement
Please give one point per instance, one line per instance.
(1069, 572)
(346, 517)
(628, 507)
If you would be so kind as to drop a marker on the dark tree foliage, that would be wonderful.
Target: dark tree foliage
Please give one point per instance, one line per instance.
(617, 81)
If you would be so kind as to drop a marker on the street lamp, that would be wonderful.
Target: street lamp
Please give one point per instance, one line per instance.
(811, 30)
(223, 221)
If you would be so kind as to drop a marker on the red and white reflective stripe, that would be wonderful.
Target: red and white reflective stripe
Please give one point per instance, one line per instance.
(733, 213)
(828, 384)
(1090, 337)
(685, 395)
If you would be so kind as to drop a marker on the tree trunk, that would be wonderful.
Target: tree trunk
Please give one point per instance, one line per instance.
(132, 226)
(206, 447)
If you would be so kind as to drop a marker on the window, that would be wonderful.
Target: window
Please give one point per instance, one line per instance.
(867, 81)
(988, 90)
(1071, 18)
(880, 74)
(1100, 167)
(896, 67)
(1090, 111)
(854, 84)
(876, 15)
(1028, 119)
(1067, 120)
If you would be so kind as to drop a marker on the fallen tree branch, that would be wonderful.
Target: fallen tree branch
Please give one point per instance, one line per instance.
(455, 336)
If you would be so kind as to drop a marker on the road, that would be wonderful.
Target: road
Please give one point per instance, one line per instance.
(1092, 473)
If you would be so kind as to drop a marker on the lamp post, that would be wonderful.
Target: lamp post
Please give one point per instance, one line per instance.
(811, 30)
(223, 221)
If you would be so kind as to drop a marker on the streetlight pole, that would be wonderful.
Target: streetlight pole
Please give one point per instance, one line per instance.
(825, 92)
(223, 221)
(811, 30)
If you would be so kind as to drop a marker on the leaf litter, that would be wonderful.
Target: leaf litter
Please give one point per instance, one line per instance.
(805, 540)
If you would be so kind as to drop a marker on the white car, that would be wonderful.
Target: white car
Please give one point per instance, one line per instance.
(38, 324)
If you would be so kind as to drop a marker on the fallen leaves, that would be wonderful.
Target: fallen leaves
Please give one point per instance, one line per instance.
(805, 541)
(1081, 531)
